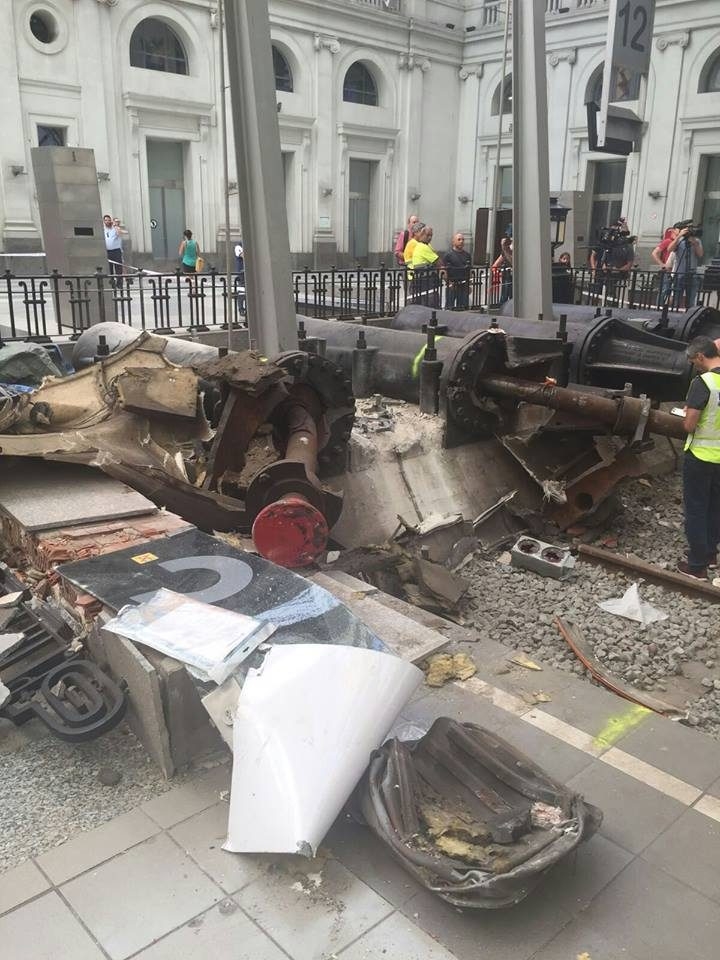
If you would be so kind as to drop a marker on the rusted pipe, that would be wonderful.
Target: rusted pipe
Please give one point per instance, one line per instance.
(302, 436)
(622, 414)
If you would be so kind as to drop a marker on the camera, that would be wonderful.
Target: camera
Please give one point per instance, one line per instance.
(615, 236)
(693, 229)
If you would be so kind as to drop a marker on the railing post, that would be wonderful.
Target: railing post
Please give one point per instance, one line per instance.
(100, 285)
(381, 304)
(11, 305)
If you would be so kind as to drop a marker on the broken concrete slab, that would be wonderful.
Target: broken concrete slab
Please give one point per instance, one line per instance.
(145, 712)
(64, 495)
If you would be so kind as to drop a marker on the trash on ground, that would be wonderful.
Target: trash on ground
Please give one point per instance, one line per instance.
(444, 667)
(307, 721)
(544, 558)
(520, 661)
(469, 816)
(583, 651)
(632, 607)
(441, 582)
(210, 641)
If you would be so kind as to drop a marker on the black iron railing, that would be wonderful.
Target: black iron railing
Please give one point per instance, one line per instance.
(43, 307)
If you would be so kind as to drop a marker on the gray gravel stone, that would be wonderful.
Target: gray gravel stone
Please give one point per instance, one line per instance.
(518, 608)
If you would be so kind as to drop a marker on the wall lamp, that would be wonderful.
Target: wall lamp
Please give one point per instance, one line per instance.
(326, 191)
(414, 195)
(463, 199)
(17, 169)
(103, 175)
(654, 194)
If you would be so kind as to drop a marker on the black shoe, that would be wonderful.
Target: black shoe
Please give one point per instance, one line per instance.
(700, 573)
(712, 561)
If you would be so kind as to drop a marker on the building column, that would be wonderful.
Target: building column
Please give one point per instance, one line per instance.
(327, 237)
(560, 92)
(468, 123)
(413, 123)
(16, 219)
(661, 162)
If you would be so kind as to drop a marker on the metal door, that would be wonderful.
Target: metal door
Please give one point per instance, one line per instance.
(608, 186)
(167, 197)
(361, 180)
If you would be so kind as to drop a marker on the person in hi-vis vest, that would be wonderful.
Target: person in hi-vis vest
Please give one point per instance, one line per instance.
(701, 462)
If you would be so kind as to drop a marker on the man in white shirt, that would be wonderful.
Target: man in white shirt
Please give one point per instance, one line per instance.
(113, 245)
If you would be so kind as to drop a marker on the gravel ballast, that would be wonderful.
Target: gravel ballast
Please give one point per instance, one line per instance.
(678, 659)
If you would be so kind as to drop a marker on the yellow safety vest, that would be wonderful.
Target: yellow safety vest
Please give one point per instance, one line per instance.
(704, 443)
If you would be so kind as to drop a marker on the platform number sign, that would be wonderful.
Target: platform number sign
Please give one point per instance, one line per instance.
(627, 63)
(632, 40)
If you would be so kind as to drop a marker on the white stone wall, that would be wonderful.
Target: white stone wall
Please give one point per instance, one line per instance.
(432, 134)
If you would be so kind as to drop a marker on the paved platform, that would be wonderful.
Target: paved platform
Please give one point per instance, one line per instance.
(155, 883)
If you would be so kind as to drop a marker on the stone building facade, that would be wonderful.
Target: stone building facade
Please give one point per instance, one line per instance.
(385, 107)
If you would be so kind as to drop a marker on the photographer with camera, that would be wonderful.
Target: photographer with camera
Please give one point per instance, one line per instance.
(612, 258)
(688, 251)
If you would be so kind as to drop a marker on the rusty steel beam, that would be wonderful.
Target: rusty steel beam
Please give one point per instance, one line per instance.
(666, 578)
(624, 415)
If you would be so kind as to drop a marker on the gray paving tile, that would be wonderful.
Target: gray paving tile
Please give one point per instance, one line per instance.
(516, 933)
(451, 701)
(590, 709)
(643, 915)
(690, 851)
(634, 814)
(45, 930)
(357, 848)
(202, 837)
(714, 789)
(559, 759)
(494, 666)
(309, 921)
(224, 933)
(395, 937)
(687, 754)
(20, 884)
(182, 802)
(89, 849)
(139, 896)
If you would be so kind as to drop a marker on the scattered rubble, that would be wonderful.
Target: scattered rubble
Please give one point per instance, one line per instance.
(667, 659)
(444, 667)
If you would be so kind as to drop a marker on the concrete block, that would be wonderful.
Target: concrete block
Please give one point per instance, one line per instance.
(145, 715)
(189, 727)
(543, 558)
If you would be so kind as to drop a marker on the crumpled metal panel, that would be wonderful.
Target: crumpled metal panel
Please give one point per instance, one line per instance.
(469, 816)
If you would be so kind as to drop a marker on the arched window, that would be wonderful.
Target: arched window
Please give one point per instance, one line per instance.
(627, 85)
(283, 73)
(155, 46)
(506, 100)
(710, 75)
(360, 86)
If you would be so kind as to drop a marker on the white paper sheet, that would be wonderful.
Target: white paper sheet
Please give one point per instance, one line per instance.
(307, 721)
(211, 641)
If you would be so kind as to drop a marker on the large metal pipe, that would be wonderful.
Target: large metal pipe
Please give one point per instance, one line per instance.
(626, 416)
(604, 353)
(679, 325)
(117, 335)
(697, 321)
(396, 366)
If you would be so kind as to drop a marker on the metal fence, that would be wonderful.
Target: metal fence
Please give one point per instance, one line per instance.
(42, 307)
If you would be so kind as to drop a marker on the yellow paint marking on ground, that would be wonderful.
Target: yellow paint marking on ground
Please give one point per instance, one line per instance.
(619, 725)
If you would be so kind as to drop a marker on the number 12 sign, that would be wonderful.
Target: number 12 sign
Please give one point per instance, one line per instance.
(632, 35)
